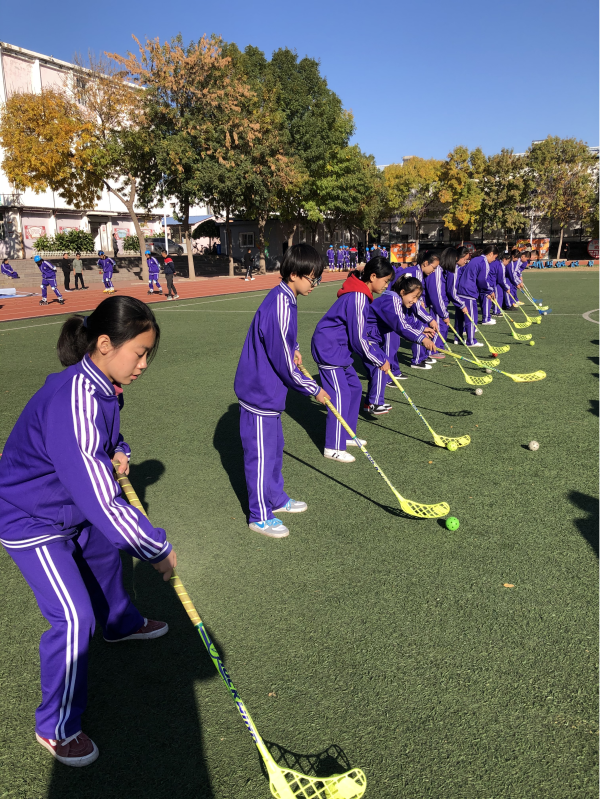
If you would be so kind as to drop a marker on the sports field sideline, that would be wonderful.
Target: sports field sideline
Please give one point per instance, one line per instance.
(366, 637)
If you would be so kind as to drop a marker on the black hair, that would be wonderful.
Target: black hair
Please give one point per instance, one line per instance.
(378, 266)
(448, 259)
(505, 256)
(77, 253)
(120, 318)
(461, 252)
(302, 260)
(490, 249)
(427, 256)
(408, 284)
(526, 253)
(515, 252)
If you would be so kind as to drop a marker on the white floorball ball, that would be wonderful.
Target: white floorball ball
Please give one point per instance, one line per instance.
(488, 371)
(533, 446)
(479, 391)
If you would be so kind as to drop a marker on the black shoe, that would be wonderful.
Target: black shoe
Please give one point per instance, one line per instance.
(43, 302)
(377, 410)
(61, 301)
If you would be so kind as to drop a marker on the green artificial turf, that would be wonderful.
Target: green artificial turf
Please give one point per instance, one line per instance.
(390, 642)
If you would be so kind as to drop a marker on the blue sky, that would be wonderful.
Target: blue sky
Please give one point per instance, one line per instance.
(420, 78)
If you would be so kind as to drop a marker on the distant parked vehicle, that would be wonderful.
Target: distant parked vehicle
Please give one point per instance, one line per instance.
(157, 244)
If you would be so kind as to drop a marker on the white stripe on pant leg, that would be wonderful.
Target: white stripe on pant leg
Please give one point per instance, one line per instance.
(61, 717)
(338, 407)
(379, 390)
(75, 657)
(260, 473)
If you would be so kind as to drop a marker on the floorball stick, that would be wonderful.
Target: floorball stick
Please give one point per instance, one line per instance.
(284, 782)
(530, 319)
(530, 377)
(464, 343)
(407, 505)
(514, 334)
(441, 441)
(478, 380)
(538, 304)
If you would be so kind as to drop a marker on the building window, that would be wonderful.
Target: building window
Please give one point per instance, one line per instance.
(246, 239)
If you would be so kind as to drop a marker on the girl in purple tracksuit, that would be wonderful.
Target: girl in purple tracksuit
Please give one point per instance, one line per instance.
(436, 300)
(389, 318)
(107, 266)
(7, 270)
(339, 334)
(266, 370)
(498, 277)
(63, 519)
(452, 264)
(425, 265)
(153, 271)
(473, 279)
(48, 271)
(513, 278)
(331, 258)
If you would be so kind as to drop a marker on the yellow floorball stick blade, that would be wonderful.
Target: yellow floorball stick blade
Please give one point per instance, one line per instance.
(424, 511)
(501, 350)
(482, 380)
(522, 336)
(351, 785)
(443, 441)
(529, 378)
(521, 325)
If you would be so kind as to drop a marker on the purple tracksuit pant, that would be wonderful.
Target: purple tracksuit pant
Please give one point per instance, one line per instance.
(52, 283)
(345, 389)
(499, 292)
(262, 440)
(486, 306)
(108, 284)
(153, 278)
(378, 380)
(509, 298)
(464, 325)
(75, 582)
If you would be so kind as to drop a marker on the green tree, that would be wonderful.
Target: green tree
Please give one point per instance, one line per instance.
(565, 178)
(413, 188)
(460, 190)
(191, 106)
(504, 185)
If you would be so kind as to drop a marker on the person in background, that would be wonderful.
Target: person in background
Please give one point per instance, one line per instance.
(106, 266)
(248, 263)
(115, 244)
(48, 271)
(7, 270)
(169, 270)
(153, 270)
(66, 269)
(330, 258)
(78, 271)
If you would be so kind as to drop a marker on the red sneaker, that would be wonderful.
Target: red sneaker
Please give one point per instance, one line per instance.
(77, 751)
(150, 629)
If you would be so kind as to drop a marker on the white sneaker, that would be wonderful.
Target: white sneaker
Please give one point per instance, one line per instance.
(491, 322)
(292, 506)
(423, 365)
(358, 442)
(246, 279)
(338, 455)
(273, 528)
(477, 344)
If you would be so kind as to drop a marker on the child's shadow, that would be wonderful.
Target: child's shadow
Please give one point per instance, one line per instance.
(142, 711)
(228, 444)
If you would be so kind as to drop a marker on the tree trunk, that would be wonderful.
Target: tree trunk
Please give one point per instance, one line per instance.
(188, 240)
(228, 241)
(262, 223)
(560, 242)
(290, 238)
(129, 203)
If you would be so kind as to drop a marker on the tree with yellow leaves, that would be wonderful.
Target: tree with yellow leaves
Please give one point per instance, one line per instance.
(460, 188)
(413, 188)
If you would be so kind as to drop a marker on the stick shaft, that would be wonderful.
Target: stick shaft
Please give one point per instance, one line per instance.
(414, 407)
(194, 616)
(518, 306)
(349, 430)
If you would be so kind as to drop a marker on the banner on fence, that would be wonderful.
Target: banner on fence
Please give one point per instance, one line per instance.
(541, 245)
(592, 248)
(404, 252)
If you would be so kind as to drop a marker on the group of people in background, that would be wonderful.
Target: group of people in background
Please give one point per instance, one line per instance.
(346, 257)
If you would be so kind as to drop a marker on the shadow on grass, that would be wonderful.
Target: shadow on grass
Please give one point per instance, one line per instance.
(228, 444)
(332, 760)
(143, 475)
(594, 407)
(142, 710)
(310, 415)
(587, 526)
(391, 509)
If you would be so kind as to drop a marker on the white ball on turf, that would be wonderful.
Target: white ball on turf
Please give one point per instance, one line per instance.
(479, 391)
(488, 371)
(533, 446)
(540, 304)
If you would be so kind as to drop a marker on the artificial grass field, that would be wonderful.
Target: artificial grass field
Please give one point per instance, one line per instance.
(390, 641)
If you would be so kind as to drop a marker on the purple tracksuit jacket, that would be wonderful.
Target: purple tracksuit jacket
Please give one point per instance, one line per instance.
(339, 334)
(473, 278)
(7, 270)
(265, 372)
(331, 257)
(153, 266)
(63, 521)
(48, 270)
(107, 265)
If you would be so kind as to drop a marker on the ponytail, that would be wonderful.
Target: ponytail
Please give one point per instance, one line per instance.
(119, 318)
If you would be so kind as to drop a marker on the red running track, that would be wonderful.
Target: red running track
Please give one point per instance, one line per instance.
(77, 301)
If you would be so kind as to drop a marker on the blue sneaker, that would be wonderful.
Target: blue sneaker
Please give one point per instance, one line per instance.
(270, 527)
(292, 506)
